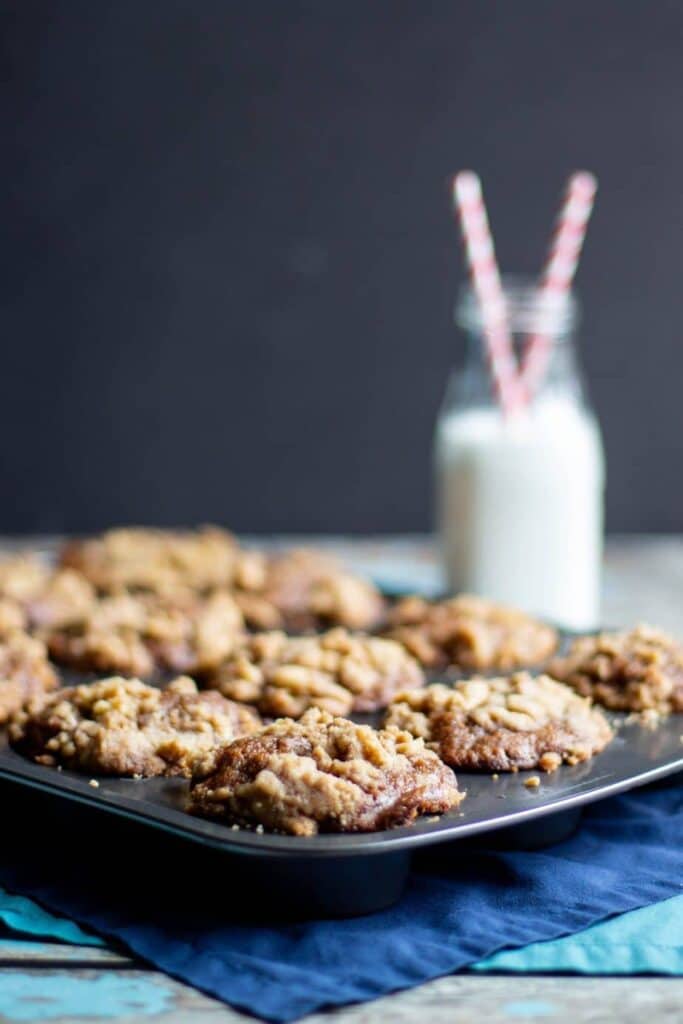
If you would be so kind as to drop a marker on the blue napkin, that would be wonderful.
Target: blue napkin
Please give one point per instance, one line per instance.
(645, 941)
(627, 854)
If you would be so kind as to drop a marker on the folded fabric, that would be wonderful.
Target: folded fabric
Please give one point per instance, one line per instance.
(24, 916)
(645, 941)
(467, 905)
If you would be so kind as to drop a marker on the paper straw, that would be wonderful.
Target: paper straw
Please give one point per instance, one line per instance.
(486, 284)
(558, 274)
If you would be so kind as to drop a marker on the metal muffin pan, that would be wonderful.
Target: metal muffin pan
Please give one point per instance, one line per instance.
(336, 875)
(350, 874)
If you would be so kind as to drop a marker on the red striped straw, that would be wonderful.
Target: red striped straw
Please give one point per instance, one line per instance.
(558, 274)
(486, 284)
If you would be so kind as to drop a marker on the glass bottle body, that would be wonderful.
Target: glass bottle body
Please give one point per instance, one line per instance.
(520, 499)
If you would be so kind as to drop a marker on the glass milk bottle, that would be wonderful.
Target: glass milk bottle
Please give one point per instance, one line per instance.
(520, 499)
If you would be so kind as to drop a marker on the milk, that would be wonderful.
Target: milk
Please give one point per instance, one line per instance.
(520, 505)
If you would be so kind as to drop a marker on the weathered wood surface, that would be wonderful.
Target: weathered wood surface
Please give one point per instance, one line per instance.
(15, 952)
(42, 981)
(81, 995)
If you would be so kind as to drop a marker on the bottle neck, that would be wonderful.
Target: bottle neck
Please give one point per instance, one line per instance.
(529, 313)
(562, 377)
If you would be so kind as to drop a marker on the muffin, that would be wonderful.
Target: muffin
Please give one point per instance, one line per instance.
(324, 774)
(503, 724)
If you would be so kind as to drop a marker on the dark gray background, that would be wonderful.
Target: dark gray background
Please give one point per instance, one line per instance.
(229, 264)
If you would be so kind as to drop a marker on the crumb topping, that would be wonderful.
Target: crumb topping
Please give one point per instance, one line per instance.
(503, 724)
(303, 590)
(65, 597)
(297, 590)
(13, 618)
(470, 633)
(163, 561)
(22, 577)
(640, 669)
(25, 672)
(33, 595)
(138, 634)
(324, 774)
(337, 671)
(125, 727)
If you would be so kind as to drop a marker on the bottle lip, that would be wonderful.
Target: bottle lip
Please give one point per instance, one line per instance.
(529, 312)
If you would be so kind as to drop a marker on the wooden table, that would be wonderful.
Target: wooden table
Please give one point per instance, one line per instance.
(48, 981)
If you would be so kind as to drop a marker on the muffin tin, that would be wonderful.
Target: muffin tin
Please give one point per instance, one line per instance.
(350, 874)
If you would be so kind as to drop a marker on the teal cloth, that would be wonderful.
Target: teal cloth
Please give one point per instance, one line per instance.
(645, 941)
(24, 916)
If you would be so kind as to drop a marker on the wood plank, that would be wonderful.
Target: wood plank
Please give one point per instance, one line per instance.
(20, 952)
(511, 999)
(81, 995)
(67, 997)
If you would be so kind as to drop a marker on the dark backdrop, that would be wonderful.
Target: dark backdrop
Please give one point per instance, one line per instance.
(228, 261)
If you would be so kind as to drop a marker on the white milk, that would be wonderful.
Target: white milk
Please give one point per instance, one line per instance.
(521, 506)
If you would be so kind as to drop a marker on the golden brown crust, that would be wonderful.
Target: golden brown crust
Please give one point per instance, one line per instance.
(124, 727)
(140, 634)
(470, 633)
(325, 774)
(25, 673)
(639, 669)
(503, 724)
(336, 670)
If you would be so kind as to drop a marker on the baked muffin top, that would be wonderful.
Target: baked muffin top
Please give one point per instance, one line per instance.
(125, 727)
(34, 595)
(503, 724)
(638, 669)
(25, 672)
(324, 774)
(336, 670)
(304, 590)
(163, 561)
(139, 634)
(470, 633)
